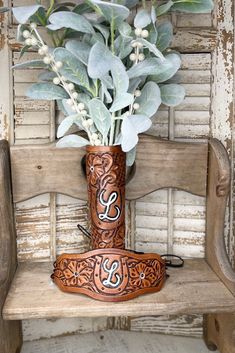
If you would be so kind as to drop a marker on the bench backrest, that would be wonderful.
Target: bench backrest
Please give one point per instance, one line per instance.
(159, 164)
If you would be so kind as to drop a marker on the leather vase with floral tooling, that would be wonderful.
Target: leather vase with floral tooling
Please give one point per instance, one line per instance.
(105, 170)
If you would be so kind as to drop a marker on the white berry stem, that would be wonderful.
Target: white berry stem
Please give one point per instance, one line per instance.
(64, 85)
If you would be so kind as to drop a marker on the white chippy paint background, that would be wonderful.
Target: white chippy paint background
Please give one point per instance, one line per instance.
(166, 220)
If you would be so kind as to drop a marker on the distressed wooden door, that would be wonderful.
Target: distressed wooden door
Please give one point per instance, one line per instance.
(171, 221)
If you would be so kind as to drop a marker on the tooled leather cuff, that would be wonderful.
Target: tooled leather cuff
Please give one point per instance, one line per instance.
(110, 274)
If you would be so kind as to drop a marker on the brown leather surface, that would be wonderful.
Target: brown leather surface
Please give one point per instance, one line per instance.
(106, 169)
(109, 274)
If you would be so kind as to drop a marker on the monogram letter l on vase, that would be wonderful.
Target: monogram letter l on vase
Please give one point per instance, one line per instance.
(105, 169)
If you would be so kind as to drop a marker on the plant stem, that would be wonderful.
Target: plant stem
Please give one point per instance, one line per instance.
(112, 37)
(144, 3)
(50, 9)
(112, 129)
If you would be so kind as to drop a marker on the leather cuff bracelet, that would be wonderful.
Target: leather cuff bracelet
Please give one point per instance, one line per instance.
(110, 274)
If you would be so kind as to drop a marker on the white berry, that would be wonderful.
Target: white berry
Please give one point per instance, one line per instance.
(81, 106)
(133, 57)
(139, 45)
(45, 49)
(84, 112)
(74, 108)
(90, 122)
(26, 34)
(69, 102)
(84, 124)
(141, 57)
(47, 60)
(33, 25)
(40, 51)
(145, 33)
(137, 93)
(56, 80)
(58, 64)
(28, 41)
(97, 142)
(75, 95)
(34, 41)
(138, 32)
(71, 86)
(94, 136)
(134, 44)
(136, 106)
(64, 78)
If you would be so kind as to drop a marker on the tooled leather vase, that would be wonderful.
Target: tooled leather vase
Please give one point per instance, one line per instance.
(106, 170)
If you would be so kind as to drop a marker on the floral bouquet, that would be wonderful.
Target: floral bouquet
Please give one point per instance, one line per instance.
(108, 69)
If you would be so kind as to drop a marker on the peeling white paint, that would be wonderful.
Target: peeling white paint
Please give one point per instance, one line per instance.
(223, 75)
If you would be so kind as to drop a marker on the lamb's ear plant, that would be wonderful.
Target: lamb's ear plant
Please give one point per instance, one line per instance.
(107, 74)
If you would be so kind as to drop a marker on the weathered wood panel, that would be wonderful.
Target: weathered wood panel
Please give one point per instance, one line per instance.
(180, 294)
(118, 342)
(46, 328)
(180, 325)
(37, 170)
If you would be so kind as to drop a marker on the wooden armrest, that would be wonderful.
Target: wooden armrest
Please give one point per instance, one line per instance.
(7, 228)
(10, 332)
(217, 195)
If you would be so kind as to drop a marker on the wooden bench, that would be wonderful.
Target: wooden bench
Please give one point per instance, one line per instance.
(203, 286)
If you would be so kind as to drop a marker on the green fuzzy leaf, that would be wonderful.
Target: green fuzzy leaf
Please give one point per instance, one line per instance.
(66, 124)
(47, 76)
(100, 115)
(79, 49)
(66, 19)
(24, 50)
(130, 157)
(4, 9)
(122, 101)
(104, 93)
(152, 66)
(100, 61)
(174, 64)
(152, 48)
(142, 19)
(103, 30)
(162, 9)
(47, 91)
(149, 100)
(30, 64)
(72, 141)
(19, 34)
(120, 77)
(113, 13)
(123, 46)
(172, 94)
(125, 30)
(23, 13)
(193, 6)
(82, 8)
(131, 3)
(72, 68)
(131, 126)
(165, 35)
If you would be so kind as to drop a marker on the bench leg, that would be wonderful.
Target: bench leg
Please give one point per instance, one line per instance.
(219, 332)
(10, 336)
